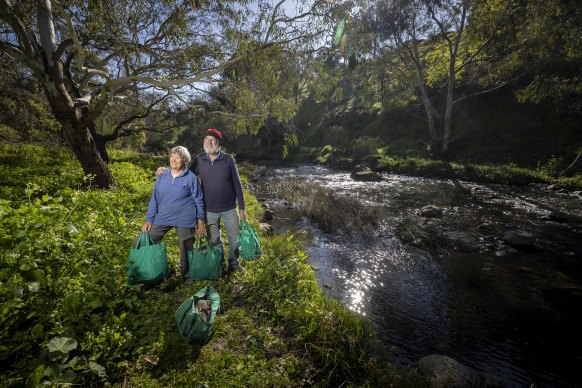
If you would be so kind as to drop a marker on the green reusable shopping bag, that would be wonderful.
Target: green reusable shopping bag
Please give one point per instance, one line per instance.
(249, 247)
(147, 261)
(205, 260)
(194, 318)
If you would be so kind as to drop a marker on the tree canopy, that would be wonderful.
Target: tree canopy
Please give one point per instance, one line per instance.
(113, 69)
(87, 55)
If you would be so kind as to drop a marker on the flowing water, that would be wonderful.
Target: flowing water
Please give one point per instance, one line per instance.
(515, 314)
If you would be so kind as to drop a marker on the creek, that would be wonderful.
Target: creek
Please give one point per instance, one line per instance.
(514, 313)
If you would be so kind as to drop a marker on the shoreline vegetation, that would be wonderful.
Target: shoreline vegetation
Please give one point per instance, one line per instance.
(510, 174)
(381, 161)
(68, 316)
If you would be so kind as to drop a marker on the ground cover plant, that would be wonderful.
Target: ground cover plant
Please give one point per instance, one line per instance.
(68, 316)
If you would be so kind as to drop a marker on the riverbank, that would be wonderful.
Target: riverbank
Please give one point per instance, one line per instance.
(487, 275)
(510, 174)
(69, 317)
(381, 161)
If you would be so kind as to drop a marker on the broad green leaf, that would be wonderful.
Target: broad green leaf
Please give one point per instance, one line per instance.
(62, 344)
(36, 331)
(34, 287)
(97, 369)
(53, 371)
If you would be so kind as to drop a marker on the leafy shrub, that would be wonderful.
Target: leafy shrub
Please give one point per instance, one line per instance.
(553, 166)
(63, 263)
(364, 145)
(47, 170)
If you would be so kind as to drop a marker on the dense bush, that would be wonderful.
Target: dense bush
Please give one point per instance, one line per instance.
(63, 259)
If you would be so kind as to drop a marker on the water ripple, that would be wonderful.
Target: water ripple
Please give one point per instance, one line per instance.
(492, 313)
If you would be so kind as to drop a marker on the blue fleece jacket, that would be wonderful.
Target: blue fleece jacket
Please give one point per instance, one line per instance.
(176, 201)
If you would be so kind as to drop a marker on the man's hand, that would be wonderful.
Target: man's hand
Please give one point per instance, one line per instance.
(146, 226)
(159, 170)
(243, 214)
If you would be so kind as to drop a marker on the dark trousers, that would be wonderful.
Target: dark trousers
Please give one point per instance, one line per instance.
(185, 243)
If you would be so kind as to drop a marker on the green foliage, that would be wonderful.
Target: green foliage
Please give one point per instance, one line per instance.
(24, 113)
(364, 146)
(333, 157)
(553, 166)
(547, 54)
(508, 174)
(68, 316)
(63, 258)
(44, 170)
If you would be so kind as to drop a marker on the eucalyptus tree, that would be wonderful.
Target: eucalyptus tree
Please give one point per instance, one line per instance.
(267, 88)
(88, 54)
(427, 42)
(542, 50)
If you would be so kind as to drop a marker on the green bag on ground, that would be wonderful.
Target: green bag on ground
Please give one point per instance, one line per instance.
(147, 261)
(195, 316)
(249, 247)
(205, 260)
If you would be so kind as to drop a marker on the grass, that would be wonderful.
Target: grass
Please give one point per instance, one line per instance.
(505, 174)
(333, 213)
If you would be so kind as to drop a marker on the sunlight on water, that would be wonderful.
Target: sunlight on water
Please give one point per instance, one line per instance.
(487, 311)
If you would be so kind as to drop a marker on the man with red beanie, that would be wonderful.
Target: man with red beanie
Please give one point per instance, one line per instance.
(222, 191)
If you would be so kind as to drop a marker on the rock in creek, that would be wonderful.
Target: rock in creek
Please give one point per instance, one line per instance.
(442, 371)
(461, 241)
(431, 211)
(518, 238)
(366, 176)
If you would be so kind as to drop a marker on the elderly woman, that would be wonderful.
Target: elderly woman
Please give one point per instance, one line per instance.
(177, 202)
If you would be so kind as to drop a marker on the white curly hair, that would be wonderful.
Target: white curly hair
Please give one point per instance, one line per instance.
(183, 152)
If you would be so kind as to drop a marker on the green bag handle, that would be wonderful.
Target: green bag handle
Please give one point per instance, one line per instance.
(244, 225)
(202, 242)
(145, 240)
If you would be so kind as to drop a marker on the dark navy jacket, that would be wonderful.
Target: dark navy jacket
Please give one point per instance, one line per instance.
(220, 182)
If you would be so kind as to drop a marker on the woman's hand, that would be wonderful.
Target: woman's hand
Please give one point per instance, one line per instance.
(159, 170)
(146, 226)
(243, 214)
(200, 229)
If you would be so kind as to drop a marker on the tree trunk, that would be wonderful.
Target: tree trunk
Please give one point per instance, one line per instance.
(430, 115)
(87, 152)
(576, 166)
(448, 112)
(77, 133)
(100, 141)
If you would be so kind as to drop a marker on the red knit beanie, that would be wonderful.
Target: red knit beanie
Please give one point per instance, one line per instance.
(214, 133)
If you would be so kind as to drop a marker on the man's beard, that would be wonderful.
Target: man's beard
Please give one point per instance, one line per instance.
(211, 149)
